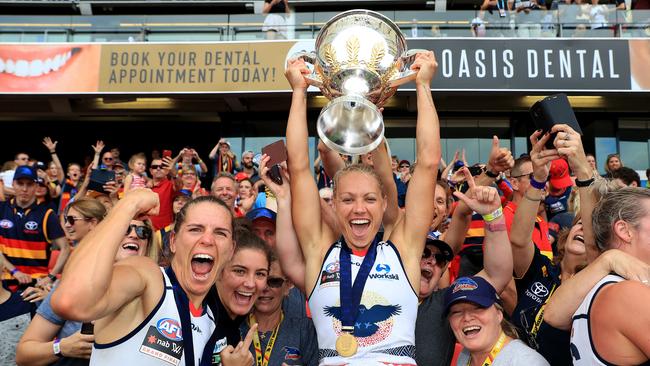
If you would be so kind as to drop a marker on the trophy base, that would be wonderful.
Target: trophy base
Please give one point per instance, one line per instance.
(351, 125)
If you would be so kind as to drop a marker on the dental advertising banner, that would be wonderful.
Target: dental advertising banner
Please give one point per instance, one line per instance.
(588, 65)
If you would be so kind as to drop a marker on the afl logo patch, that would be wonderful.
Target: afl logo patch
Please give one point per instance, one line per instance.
(31, 225)
(6, 224)
(170, 328)
(332, 267)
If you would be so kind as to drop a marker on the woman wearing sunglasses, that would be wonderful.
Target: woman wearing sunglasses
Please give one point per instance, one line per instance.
(70, 347)
(36, 345)
(280, 338)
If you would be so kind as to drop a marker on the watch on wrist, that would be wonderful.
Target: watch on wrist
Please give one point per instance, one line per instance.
(51, 277)
(491, 174)
(56, 348)
(584, 183)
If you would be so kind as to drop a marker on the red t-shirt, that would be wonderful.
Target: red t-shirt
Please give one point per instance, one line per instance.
(540, 232)
(165, 190)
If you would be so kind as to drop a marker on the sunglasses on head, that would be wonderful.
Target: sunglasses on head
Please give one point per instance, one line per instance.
(71, 219)
(156, 166)
(142, 232)
(438, 257)
(275, 282)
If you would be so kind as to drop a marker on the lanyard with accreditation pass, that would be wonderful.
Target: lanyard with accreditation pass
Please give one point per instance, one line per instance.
(263, 359)
(503, 340)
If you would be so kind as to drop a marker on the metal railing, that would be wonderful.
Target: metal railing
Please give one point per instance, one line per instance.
(566, 21)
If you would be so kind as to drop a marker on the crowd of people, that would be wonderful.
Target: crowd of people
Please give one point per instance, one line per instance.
(536, 260)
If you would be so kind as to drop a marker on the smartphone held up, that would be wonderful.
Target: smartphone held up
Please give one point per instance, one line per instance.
(553, 110)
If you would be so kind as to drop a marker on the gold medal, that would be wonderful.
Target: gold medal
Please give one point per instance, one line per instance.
(346, 345)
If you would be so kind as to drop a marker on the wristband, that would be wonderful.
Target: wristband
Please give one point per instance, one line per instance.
(535, 184)
(56, 348)
(14, 271)
(584, 183)
(500, 226)
(51, 277)
(494, 215)
(52, 152)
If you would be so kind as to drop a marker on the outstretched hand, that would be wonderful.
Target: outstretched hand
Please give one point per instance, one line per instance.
(49, 144)
(481, 199)
(98, 147)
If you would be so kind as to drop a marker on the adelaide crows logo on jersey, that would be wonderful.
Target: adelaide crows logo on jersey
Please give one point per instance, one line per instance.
(374, 322)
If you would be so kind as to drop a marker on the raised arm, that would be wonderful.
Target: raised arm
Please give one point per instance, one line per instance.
(98, 147)
(213, 153)
(523, 224)
(305, 199)
(566, 299)
(420, 195)
(204, 168)
(287, 245)
(497, 261)
(51, 147)
(93, 286)
(330, 159)
(569, 143)
(382, 166)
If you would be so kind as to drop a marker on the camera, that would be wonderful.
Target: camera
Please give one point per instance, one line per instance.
(40, 165)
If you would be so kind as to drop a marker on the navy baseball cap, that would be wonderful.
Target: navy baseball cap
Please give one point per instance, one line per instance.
(473, 289)
(261, 213)
(443, 247)
(25, 172)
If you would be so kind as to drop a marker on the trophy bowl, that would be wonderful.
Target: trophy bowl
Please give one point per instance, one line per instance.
(360, 59)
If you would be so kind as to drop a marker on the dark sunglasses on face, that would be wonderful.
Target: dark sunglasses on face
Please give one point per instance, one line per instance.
(438, 257)
(155, 166)
(275, 282)
(71, 219)
(108, 159)
(142, 232)
(404, 166)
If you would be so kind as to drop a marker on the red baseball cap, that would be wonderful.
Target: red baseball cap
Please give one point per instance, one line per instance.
(559, 173)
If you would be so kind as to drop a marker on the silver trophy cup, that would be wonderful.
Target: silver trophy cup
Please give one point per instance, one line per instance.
(360, 60)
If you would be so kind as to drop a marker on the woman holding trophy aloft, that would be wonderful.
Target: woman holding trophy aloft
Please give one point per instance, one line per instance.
(364, 290)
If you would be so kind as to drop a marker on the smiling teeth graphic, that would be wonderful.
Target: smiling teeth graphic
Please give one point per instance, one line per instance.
(38, 67)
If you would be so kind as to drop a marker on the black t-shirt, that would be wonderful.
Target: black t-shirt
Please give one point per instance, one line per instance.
(277, 8)
(434, 340)
(533, 290)
(227, 329)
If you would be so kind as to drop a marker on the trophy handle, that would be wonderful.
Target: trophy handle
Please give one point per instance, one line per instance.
(310, 58)
(407, 75)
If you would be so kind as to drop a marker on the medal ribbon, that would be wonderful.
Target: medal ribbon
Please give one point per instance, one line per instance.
(501, 342)
(183, 306)
(263, 360)
(351, 294)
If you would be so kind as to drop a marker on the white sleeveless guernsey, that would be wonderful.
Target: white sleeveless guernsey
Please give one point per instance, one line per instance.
(385, 329)
(158, 340)
(582, 350)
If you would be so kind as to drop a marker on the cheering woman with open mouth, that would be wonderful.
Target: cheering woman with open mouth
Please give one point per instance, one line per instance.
(363, 289)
